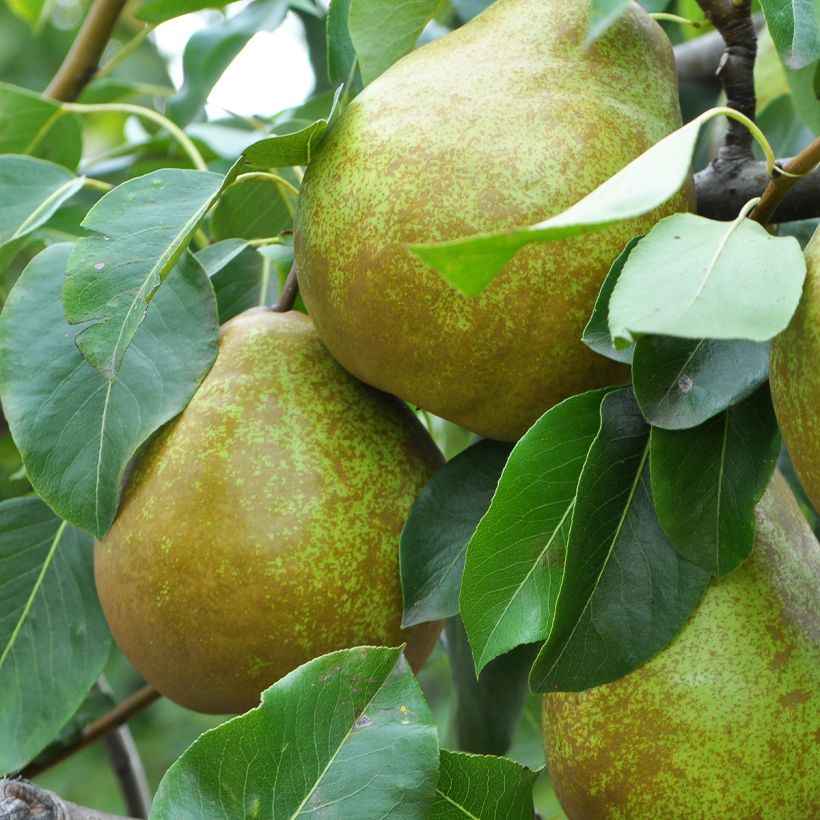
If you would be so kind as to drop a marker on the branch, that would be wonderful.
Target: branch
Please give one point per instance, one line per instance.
(698, 60)
(287, 298)
(83, 58)
(732, 18)
(796, 169)
(723, 189)
(21, 800)
(97, 729)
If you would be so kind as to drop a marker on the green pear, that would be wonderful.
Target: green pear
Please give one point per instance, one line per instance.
(260, 529)
(724, 722)
(502, 123)
(795, 379)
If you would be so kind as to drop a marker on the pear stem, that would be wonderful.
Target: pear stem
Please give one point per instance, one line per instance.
(780, 184)
(287, 298)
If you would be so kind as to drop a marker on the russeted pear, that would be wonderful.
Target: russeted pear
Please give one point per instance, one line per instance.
(795, 379)
(504, 122)
(260, 529)
(723, 722)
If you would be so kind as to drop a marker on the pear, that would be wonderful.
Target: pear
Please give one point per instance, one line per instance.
(502, 123)
(260, 529)
(723, 722)
(795, 379)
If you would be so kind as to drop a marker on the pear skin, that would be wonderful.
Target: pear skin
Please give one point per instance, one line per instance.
(260, 529)
(722, 723)
(499, 124)
(795, 379)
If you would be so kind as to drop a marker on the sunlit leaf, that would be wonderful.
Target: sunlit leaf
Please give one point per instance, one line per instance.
(795, 29)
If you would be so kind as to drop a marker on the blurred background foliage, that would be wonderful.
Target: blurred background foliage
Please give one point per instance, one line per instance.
(35, 35)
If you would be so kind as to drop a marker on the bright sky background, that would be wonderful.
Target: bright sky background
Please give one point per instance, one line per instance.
(271, 73)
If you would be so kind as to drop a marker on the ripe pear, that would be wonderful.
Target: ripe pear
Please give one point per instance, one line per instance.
(261, 528)
(502, 123)
(723, 722)
(795, 379)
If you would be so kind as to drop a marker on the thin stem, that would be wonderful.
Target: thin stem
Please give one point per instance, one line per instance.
(780, 184)
(263, 290)
(265, 241)
(97, 729)
(287, 298)
(98, 185)
(82, 60)
(676, 18)
(132, 45)
(149, 114)
(754, 131)
(267, 177)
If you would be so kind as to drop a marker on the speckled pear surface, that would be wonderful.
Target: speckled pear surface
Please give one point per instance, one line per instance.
(504, 122)
(795, 379)
(724, 722)
(261, 528)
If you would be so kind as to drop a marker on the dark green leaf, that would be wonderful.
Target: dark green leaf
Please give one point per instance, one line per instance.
(795, 29)
(143, 227)
(341, 56)
(476, 786)
(256, 209)
(805, 96)
(467, 9)
(707, 481)
(75, 429)
(515, 559)
(681, 383)
(34, 125)
(626, 591)
(32, 191)
(211, 50)
(240, 276)
(485, 711)
(53, 637)
(434, 539)
(345, 735)
(286, 149)
(784, 129)
(380, 39)
(596, 334)
(698, 278)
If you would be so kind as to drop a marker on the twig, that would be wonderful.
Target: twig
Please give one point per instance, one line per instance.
(722, 189)
(127, 765)
(97, 729)
(20, 800)
(83, 58)
(287, 298)
(796, 168)
(697, 60)
(732, 18)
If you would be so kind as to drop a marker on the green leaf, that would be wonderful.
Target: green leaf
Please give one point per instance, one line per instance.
(256, 209)
(625, 591)
(515, 559)
(485, 711)
(33, 190)
(645, 183)
(681, 383)
(35, 125)
(602, 14)
(211, 50)
(477, 786)
(380, 39)
(596, 334)
(34, 12)
(282, 150)
(805, 96)
(158, 11)
(698, 278)
(345, 735)
(76, 430)
(435, 536)
(707, 481)
(239, 275)
(53, 637)
(795, 29)
(143, 227)
(342, 65)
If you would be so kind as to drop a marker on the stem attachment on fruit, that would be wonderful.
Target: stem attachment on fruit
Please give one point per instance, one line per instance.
(287, 298)
(149, 114)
